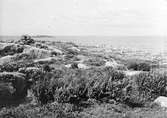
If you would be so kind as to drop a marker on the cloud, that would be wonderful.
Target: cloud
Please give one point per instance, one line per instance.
(82, 17)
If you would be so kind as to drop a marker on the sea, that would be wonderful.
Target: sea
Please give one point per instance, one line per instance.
(152, 44)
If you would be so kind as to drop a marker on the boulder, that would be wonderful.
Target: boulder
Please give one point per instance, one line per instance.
(72, 65)
(55, 51)
(26, 40)
(45, 60)
(13, 86)
(75, 49)
(37, 52)
(40, 45)
(132, 73)
(68, 66)
(6, 59)
(111, 64)
(77, 65)
(115, 65)
(82, 66)
(28, 69)
(161, 101)
(72, 50)
(10, 49)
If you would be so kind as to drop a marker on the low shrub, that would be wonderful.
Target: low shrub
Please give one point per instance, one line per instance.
(11, 49)
(79, 85)
(153, 83)
(139, 66)
(145, 87)
(33, 73)
(14, 66)
(54, 110)
(95, 62)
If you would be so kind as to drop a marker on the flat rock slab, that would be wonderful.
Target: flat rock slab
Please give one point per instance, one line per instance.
(161, 101)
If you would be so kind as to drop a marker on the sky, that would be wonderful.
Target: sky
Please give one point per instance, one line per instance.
(83, 17)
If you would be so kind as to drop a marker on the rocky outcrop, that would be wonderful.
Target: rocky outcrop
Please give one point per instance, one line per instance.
(115, 65)
(13, 86)
(10, 49)
(26, 40)
(37, 52)
(6, 59)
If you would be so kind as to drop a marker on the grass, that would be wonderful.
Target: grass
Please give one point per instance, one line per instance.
(139, 66)
(97, 92)
(95, 61)
(103, 84)
(77, 85)
(55, 110)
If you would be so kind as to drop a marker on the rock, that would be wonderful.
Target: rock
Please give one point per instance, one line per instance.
(161, 101)
(82, 66)
(13, 86)
(37, 52)
(77, 65)
(6, 59)
(115, 65)
(68, 66)
(73, 65)
(72, 50)
(32, 73)
(55, 51)
(111, 64)
(10, 49)
(40, 45)
(45, 60)
(28, 69)
(75, 49)
(81, 58)
(26, 40)
(132, 73)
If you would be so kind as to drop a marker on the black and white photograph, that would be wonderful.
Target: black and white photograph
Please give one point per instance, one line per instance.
(83, 58)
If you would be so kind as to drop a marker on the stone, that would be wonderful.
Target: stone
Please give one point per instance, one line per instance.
(6, 59)
(55, 51)
(68, 66)
(10, 49)
(37, 53)
(32, 73)
(115, 65)
(13, 86)
(161, 101)
(132, 73)
(45, 60)
(82, 66)
(111, 64)
(26, 40)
